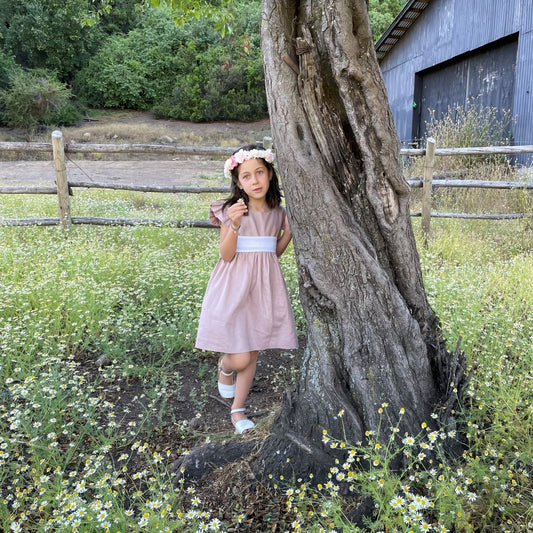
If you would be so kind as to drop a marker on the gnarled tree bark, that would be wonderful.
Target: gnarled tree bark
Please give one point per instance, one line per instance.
(372, 335)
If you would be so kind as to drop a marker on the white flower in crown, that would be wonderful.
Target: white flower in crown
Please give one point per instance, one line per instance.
(244, 155)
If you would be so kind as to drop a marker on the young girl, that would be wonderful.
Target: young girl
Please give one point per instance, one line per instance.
(246, 306)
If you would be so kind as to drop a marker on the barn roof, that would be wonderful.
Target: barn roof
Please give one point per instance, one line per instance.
(408, 15)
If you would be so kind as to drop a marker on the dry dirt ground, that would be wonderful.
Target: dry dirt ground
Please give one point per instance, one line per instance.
(131, 127)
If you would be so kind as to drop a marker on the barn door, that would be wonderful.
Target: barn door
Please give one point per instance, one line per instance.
(486, 75)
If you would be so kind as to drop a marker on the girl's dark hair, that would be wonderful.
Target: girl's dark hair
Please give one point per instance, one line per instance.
(273, 196)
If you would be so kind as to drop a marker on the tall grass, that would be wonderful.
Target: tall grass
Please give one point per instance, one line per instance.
(468, 126)
(76, 455)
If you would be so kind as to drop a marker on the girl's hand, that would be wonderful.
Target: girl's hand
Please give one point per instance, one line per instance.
(236, 212)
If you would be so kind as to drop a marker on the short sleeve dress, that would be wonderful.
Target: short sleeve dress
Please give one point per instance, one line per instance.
(246, 306)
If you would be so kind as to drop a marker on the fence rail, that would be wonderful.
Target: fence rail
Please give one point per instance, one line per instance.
(63, 188)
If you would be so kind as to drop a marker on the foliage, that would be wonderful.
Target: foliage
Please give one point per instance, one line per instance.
(226, 80)
(134, 70)
(8, 68)
(48, 34)
(114, 16)
(221, 12)
(34, 98)
(77, 454)
(186, 72)
(382, 13)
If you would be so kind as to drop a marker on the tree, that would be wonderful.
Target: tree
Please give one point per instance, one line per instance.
(382, 13)
(49, 34)
(372, 335)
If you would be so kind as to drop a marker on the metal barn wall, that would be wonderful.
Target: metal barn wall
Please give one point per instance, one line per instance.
(450, 28)
(489, 75)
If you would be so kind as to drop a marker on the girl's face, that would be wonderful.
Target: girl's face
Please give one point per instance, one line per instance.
(254, 179)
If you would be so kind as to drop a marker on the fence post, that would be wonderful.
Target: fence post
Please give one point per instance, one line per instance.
(61, 179)
(429, 167)
(267, 143)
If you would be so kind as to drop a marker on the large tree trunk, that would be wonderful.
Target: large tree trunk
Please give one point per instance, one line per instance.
(372, 335)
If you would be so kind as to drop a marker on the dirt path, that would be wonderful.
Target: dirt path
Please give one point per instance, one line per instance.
(136, 127)
(160, 172)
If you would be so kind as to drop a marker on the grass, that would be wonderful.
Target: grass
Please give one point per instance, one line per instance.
(79, 451)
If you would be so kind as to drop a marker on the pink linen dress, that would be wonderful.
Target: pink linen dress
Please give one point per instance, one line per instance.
(246, 306)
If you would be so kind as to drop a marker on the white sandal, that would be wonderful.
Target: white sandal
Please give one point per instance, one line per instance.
(244, 425)
(226, 391)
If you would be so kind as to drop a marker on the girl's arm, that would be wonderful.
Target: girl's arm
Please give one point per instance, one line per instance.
(229, 234)
(285, 238)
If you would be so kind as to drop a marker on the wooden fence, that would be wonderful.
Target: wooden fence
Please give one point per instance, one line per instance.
(63, 188)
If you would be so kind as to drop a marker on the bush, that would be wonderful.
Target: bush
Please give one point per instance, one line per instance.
(36, 97)
(226, 80)
(134, 70)
(187, 72)
(8, 68)
(50, 34)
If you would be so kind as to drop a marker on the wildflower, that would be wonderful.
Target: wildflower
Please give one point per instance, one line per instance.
(408, 440)
(472, 496)
(433, 436)
(215, 524)
(397, 502)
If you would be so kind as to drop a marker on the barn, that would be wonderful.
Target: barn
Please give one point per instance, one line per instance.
(441, 53)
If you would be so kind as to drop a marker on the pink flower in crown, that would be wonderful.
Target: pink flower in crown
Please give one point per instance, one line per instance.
(241, 156)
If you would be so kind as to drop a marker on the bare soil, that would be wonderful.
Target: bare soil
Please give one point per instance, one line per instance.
(130, 127)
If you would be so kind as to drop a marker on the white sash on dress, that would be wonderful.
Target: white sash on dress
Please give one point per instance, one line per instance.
(256, 244)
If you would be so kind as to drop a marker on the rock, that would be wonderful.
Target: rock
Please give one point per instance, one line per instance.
(103, 360)
(364, 513)
(86, 136)
(166, 139)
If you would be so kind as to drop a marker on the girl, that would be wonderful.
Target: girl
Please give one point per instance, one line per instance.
(246, 306)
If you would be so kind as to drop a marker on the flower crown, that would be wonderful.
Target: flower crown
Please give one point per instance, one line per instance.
(244, 155)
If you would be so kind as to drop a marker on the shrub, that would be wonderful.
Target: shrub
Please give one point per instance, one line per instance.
(50, 34)
(187, 72)
(36, 97)
(133, 70)
(226, 80)
(8, 68)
